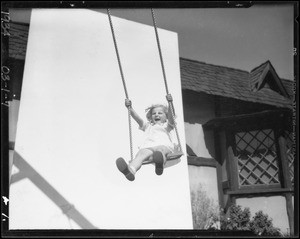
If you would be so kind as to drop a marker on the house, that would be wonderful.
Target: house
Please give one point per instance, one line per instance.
(238, 126)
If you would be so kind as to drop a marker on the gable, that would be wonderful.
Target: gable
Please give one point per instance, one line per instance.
(266, 77)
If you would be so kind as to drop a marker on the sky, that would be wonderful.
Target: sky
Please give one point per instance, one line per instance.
(240, 38)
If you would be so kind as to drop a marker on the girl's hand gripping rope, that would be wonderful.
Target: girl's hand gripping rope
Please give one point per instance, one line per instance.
(128, 103)
(169, 98)
(171, 112)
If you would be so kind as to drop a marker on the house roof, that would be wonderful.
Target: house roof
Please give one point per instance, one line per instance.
(289, 87)
(233, 83)
(18, 40)
(201, 77)
(259, 77)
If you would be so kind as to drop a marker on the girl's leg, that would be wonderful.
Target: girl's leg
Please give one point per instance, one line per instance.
(123, 168)
(130, 169)
(159, 158)
(141, 156)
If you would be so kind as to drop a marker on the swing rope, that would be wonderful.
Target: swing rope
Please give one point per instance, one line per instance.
(171, 106)
(123, 80)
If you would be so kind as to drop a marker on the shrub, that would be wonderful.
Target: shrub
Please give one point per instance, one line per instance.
(207, 215)
(237, 218)
(262, 225)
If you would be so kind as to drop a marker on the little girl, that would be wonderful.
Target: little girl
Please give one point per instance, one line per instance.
(157, 144)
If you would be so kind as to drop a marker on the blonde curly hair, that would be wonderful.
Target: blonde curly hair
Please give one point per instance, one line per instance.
(150, 109)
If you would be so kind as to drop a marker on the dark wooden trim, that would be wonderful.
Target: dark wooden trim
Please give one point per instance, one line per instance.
(290, 211)
(260, 191)
(220, 186)
(200, 161)
(225, 185)
(286, 178)
(280, 158)
(266, 118)
(232, 170)
(229, 202)
(260, 186)
(217, 106)
(11, 145)
(218, 153)
(284, 161)
(231, 166)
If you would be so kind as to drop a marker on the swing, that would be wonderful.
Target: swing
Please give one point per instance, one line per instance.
(178, 150)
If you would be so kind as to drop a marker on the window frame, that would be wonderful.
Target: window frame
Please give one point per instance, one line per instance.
(233, 161)
(278, 126)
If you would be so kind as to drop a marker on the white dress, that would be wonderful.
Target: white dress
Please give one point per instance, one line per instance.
(155, 135)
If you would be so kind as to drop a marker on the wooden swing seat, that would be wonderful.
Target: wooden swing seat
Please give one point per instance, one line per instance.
(171, 156)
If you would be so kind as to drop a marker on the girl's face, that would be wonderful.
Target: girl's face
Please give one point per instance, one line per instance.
(158, 115)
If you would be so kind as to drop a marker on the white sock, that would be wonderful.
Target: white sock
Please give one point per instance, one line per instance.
(132, 169)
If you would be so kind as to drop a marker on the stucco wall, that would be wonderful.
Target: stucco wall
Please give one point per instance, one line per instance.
(198, 109)
(207, 178)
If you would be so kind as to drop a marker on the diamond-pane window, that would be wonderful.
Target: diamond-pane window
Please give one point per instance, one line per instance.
(257, 158)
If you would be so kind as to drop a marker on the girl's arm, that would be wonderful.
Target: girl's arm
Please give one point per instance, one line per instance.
(170, 116)
(134, 115)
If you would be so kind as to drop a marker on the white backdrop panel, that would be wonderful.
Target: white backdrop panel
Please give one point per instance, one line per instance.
(73, 123)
